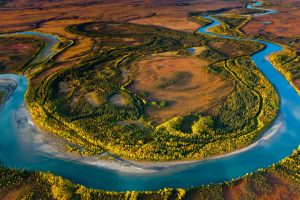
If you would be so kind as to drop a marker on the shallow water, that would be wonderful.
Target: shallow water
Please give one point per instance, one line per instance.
(282, 138)
(256, 5)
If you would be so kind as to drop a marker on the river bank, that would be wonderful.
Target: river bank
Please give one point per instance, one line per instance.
(7, 86)
(278, 143)
(54, 146)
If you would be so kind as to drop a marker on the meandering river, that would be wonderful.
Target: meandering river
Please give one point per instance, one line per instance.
(278, 142)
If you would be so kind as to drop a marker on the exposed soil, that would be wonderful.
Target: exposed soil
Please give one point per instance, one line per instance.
(55, 16)
(227, 48)
(15, 52)
(297, 82)
(93, 99)
(14, 193)
(118, 100)
(197, 90)
(64, 88)
(276, 187)
(288, 15)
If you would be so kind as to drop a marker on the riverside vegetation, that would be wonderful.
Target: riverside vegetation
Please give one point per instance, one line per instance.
(287, 62)
(61, 104)
(280, 180)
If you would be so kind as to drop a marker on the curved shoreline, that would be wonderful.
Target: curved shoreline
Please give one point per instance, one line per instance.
(117, 164)
(39, 141)
(51, 145)
(8, 86)
(215, 169)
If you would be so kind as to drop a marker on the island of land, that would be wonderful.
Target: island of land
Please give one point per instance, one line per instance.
(131, 82)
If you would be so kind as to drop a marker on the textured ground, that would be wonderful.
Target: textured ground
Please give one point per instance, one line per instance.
(282, 23)
(182, 82)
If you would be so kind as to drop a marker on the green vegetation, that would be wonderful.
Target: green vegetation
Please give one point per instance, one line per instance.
(287, 62)
(234, 21)
(223, 128)
(95, 128)
(292, 43)
(279, 180)
(75, 102)
(234, 123)
(224, 29)
(222, 49)
(208, 12)
(59, 104)
(230, 24)
(200, 20)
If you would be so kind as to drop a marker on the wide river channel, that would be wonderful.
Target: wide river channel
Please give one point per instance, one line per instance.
(277, 142)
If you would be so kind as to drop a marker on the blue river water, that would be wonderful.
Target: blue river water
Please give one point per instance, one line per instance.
(279, 142)
(256, 5)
